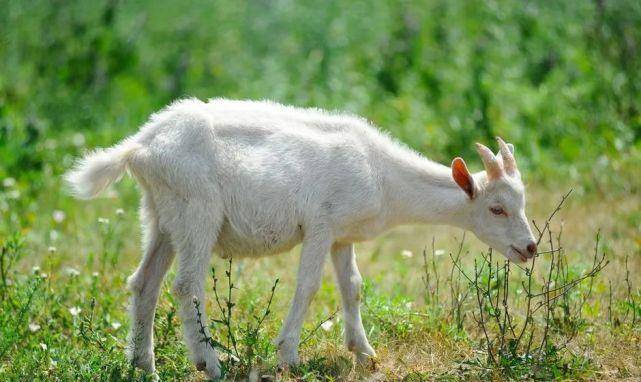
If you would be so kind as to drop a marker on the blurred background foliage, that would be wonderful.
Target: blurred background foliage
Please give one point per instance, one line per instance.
(561, 80)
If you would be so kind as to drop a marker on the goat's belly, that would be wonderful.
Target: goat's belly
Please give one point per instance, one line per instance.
(257, 243)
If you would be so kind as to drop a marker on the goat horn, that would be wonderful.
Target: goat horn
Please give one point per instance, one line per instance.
(490, 162)
(509, 163)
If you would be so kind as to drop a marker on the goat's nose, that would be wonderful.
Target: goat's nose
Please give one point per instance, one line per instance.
(531, 248)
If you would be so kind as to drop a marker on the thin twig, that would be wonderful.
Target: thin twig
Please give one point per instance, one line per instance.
(328, 318)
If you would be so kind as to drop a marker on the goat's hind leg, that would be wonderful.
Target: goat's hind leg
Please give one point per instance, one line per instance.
(145, 285)
(194, 238)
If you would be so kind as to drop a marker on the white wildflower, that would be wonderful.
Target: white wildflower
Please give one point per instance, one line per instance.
(78, 139)
(33, 327)
(409, 304)
(53, 363)
(72, 272)
(44, 275)
(8, 182)
(116, 325)
(327, 325)
(120, 212)
(51, 144)
(35, 270)
(407, 253)
(74, 310)
(58, 216)
(95, 274)
(43, 346)
(53, 235)
(439, 252)
(52, 249)
(103, 220)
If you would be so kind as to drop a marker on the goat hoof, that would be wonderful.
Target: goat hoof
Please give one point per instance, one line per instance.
(288, 354)
(288, 360)
(205, 359)
(366, 356)
(211, 369)
(145, 362)
(367, 362)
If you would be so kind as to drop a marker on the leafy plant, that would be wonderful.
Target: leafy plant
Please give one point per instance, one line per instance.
(244, 345)
(535, 343)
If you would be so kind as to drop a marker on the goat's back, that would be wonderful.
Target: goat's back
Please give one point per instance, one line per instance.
(275, 169)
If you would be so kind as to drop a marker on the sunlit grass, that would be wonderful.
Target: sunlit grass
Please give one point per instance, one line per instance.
(560, 80)
(64, 310)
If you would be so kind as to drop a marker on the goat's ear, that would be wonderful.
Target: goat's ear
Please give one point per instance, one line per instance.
(462, 177)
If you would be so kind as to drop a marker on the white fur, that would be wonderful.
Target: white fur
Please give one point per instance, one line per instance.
(249, 179)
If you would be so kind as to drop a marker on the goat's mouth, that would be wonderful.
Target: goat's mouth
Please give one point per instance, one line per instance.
(520, 254)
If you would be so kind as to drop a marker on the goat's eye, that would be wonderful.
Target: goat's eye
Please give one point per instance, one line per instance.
(498, 210)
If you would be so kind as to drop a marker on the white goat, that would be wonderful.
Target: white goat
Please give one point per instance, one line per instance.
(249, 179)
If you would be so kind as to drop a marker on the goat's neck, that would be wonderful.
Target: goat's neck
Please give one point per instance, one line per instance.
(421, 191)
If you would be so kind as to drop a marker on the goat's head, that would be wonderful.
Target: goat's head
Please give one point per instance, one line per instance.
(497, 200)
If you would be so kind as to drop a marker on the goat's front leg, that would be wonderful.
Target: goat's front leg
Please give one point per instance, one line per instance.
(316, 246)
(350, 281)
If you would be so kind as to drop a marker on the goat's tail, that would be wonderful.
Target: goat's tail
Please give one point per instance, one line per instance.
(97, 170)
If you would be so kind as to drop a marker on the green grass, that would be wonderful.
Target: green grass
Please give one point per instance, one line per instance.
(559, 80)
(66, 319)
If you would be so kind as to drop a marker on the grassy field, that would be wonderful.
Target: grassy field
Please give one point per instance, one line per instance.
(559, 80)
(64, 302)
